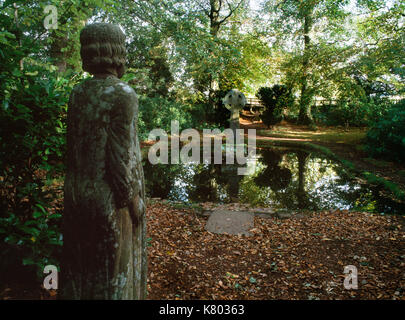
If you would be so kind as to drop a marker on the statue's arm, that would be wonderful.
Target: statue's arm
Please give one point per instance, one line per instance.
(120, 142)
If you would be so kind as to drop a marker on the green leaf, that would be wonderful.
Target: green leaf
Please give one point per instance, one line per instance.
(55, 216)
(28, 261)
(56, 242)
(37, 214)
(41, 207)
(30, 231)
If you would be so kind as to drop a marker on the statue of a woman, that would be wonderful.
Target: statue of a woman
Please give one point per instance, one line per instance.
(104, 225)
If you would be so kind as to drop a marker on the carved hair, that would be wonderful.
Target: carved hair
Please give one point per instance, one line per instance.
(103, 48)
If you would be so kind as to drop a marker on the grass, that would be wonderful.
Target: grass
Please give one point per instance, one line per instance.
(353, 136)
(388, 185)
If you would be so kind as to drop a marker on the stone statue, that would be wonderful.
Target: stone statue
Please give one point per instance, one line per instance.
(104, 224)
(234, 101)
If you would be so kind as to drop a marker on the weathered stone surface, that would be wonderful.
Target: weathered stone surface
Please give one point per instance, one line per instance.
(104, 225)
(230, 222)
(234, 101)
(284, 215)
(263, 212)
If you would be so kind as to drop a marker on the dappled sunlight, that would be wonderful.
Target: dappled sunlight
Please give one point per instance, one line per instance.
(351, 136)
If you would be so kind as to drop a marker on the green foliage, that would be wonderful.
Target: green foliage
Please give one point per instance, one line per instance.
(32, 117)
(326, 64)
(245, 71)
(276, 100)
(359, 113)
(388, 185)
(386, 137)
(385, 59)
(158, 112)
(33, 105)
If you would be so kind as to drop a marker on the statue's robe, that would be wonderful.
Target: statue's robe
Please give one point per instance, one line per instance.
(104, 225)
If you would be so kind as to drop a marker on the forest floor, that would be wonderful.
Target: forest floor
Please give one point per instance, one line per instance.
(302, 257)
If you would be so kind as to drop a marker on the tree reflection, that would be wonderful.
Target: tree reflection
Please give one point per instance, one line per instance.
(159, 179)
(302, 195)
(205, 183)
(273, 175)
(279, 178)
(215, 182)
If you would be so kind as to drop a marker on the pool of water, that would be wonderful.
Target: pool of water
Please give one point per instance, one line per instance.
(281, 178)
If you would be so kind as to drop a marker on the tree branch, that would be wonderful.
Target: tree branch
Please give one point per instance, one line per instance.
(231, 11)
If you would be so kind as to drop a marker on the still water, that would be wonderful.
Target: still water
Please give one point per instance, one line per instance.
(281, 178)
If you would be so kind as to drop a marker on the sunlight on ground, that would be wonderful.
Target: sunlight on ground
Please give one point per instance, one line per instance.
(333, 135)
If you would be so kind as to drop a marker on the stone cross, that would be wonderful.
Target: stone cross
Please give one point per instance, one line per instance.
(104, 224)
(234, 101)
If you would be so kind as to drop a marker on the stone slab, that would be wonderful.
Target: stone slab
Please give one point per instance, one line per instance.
(230, 222)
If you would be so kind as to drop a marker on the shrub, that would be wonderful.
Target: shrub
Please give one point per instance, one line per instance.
(32, 146)
(276, 100)
(356, 113)
(158, 112)
(386, 136)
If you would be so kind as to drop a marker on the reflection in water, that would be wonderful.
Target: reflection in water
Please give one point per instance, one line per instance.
(282, 178)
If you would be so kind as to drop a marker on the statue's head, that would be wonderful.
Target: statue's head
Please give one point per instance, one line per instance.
(103, 49)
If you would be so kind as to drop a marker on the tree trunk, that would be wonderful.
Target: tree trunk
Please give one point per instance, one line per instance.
(305, 116)
(215, 24)
(58, 56)
(21, 62)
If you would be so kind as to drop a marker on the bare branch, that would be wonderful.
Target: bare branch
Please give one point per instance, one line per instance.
(205, 10)
(231, 11)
